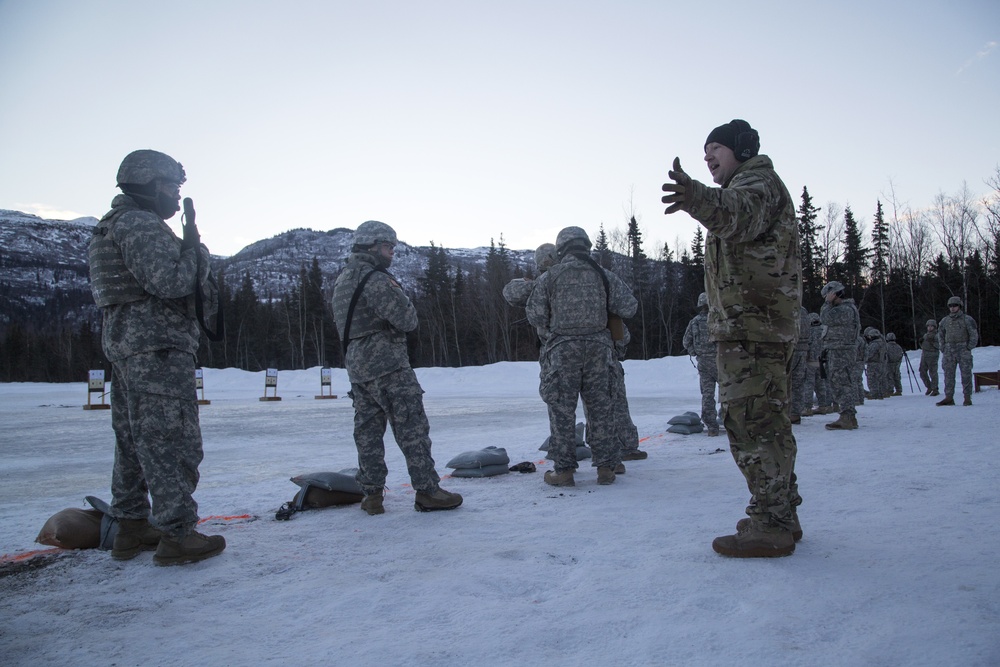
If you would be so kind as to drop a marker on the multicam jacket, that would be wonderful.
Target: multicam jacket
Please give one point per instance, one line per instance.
(381, 318)
(145, 283)
(752, 265)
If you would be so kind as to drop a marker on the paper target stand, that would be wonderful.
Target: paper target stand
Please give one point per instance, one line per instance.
(95, 385)
(271, 382)
(326, 383)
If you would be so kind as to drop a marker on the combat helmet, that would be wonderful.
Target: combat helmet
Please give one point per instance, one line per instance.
(814, 318)
(890, 336)
(371, 232)
(931, 323)
(955, 301)
(144, 166)
(702, 300)
(832, 286)
(545, 257)
(571, 238)
(872, 332)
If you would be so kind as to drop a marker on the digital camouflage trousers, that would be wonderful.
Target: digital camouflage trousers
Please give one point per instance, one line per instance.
(395, 400)
(158, 445)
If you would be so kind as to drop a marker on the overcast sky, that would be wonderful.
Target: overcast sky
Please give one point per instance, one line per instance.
(458, 122)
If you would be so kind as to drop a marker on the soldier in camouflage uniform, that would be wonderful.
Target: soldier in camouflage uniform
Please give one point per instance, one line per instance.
(894, 357)
(373, 316)
(753, 282)
(571, 306)
(929, 353)
(859, 369)
(698, 344)
(797, 379)
(144, 280)
(815, 385)
(876, 364)
(957, 337)
(841, 324)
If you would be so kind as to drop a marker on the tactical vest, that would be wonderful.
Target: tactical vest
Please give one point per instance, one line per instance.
(954, 329)
(364, 320)
(578, 301)
(110, 280)
(929, 343)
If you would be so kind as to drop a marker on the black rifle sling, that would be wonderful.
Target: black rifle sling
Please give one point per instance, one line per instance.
(584, 257)
(345, 341)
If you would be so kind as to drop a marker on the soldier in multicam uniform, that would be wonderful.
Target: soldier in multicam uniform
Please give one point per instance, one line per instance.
(875, 364)
(957, 337)
(698, 344)
(797, 378)
(571, 306)
(753, 282)
(841, 324)
(373, 316)
(929, 353)
(894, 357)
(144, 280)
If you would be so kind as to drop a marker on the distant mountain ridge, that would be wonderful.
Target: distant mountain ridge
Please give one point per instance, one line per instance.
(44, 277)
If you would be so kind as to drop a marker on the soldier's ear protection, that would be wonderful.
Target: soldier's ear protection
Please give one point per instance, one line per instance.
(747, 143)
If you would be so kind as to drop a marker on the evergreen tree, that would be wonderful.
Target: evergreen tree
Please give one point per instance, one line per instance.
(602, 249)
(812, 257)
(855, 254)
(698, 249)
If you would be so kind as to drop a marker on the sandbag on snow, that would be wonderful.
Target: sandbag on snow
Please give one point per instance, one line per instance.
(689, 418)
(484, 471)
(581, 429)
(582, 452)
(686, 429)
(72, 528)
(487, 456)
(326, 489)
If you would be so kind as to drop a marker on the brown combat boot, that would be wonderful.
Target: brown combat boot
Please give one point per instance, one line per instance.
(439, 500)
(605, 475)
(967, 401)
(935, 392)
(846, 422)
(947, 400)
(808, 412)
(564, 478)
(634, 455)
(194, 547)
(795, 419)
(620, 469)
(134, 535)
(373, 504)
(755, 543)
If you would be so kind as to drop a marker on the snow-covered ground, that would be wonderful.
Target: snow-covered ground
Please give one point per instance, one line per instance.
(898, 565)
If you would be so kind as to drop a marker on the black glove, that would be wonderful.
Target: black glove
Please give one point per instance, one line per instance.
(192, 239)
(681, 197)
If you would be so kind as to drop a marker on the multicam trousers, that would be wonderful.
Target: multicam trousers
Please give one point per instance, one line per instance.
(395, 399)
(575, 369)
(753, 387)
(158, 444)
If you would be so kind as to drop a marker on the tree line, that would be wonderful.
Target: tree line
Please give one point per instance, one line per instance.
(901, 271)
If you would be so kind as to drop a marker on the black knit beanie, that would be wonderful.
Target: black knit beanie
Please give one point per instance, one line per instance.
(727, 134)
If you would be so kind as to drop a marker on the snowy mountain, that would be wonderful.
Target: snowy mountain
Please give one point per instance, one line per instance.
(44, 273)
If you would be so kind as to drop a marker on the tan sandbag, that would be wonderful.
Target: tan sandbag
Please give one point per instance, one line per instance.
(72, 528)
(317, 498)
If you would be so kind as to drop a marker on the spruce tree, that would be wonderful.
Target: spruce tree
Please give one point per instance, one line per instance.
(810, 252)
(855, 253)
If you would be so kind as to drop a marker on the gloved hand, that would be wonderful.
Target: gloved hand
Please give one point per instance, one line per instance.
(192, 239)
(682, 189)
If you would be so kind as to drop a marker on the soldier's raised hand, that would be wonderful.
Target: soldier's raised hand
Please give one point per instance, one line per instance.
(679, 188)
